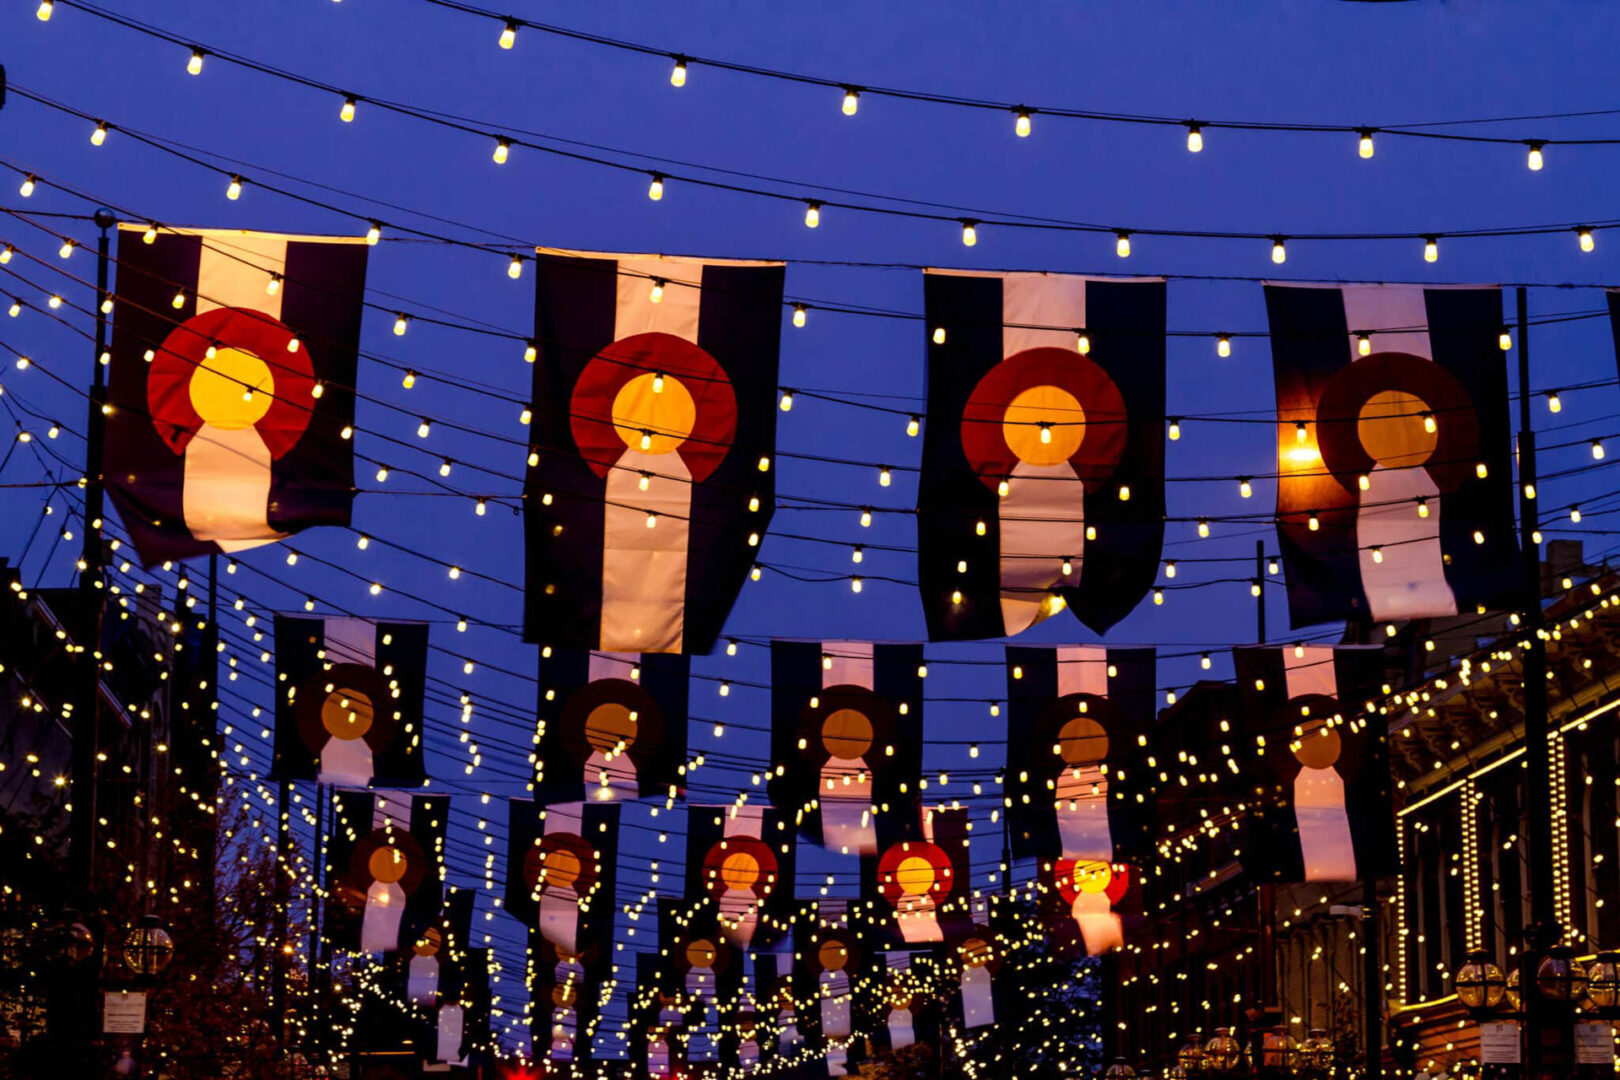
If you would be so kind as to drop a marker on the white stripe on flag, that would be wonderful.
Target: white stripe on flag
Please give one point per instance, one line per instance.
(1373, 308)
(851, 664)
(1044, 300)
(234, 271)
(1081, 669)
(351, 641)
(676, 313)
(1312, 673)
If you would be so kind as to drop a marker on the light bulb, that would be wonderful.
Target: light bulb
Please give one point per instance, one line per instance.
(179, 300)
(852, 100)
(317, 390)
(99, 135)
(866, 518)
(786, 403)
(445, 466)
(1204, 661)
(1245, 489)
(1254, 588)
(401, 321)
(409, 380)
(1364, 482)
(1301, 432)
(1553, 402)
(66, 250)
(1279, 252)
(531, 352)
(1480, 470)
(656, 293)
(1377, 554)
(424, 428)
(1575, 514)
(1195, 138)
(1082, 342)
(273, 286)
(374, 233)
(1003, 487)
(1423, 508)
(1584, 235)
(45, 9)
(1429, 423)
(655, 190)
(646, 440)
(812, 215)
(913, 425)
(855, 584)
(1170, 569)
(1534, 159)
(1313, 523)
(1175, 428)
(1364, 344)
(346, 113)
(382, 473)
(884, 477)
(1122, 245)
(1021, 125)
(514, 269)
(1068, 567)
(677, 74)
(1203, 527)
(1504, 340)
(658, 382)
(508, 36)
(15, 309)
(1597, 450)
(1365, 146)
(503, 150)
(1046, 432)
(27, 187)
(234, 190)
(799, 315)
(970, 233)
(1124, 493)
(194, 65)
(652, 521)
(1223, 346)
(1431, 249)
(939, 335)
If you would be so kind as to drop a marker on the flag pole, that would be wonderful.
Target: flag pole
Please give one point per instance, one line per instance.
(1268, 1012)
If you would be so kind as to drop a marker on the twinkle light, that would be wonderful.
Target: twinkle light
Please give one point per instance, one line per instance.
(655, 190)
(786, 404)
(1364, 146)
(1423, 508)
(273, 286)
(45, 10)
(514, 269)
(401, 321)
(1223, 345)
(1203, 528)
(1301, 432)
(234, 190)
(424, 428)
(1480, 470)
(409, 380)
(1534, 159)
(99, 135)
(531, 352)
(852, 100)
(66, 250)
(346, 112)
(799, 315)
(28, 185)
(656, 293)
(884, 477)
(1504, 340)
(970, 232)
(812, 215)
(374, 233)
(1364, 344)
(1377, 554)
(1122, 245)
(1575, 514)
(1554, 403)
(6, 253)
(508, 36)
(913, 425)
(1170, 568)
(855, 584)
(1195, 138)
(677, 74)
(1245, 489)
(194, 65)
(1279, 250)
(1597, 450)
(503, 150)
(939, 335)
(1431, 249)
(1021, 125)
(1082, 342)
(1175, 428)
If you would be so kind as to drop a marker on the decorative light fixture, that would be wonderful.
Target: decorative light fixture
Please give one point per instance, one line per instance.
(1195, 137)
(677, 74)
(148, 948)
(1534, 159)
(1365, 146)
(1479, 983)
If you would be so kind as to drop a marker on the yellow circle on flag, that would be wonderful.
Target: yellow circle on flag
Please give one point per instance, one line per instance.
(914, 875)
(654, 413)
(232, 389)
(1044, 425)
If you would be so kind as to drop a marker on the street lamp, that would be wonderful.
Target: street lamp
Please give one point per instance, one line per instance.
(1279, 1054)
(1560, 977)
(1479, 983)
(1190, 1058)
(148, 948)
(1603, 982)
(1316, 1052)
(1222, 1053)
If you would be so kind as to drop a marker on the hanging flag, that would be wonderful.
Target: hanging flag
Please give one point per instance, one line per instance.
(1311, 748)
(1043, 464)
(1395, 496)
(349, 701)
(779, 1003)
(218, 439)
(846, 736)
(438, 979)
(1084, 903)
(655, 423)
(563, 989)
(701, 969)
(1079, 722)
(658, 1034)
(739, 858)
(906, 1012)
(918, 887)
(385, 869)
(612, 726)
(975, 961)
(829, 963)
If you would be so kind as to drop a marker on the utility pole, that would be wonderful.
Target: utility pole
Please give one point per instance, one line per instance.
(1268, 1011)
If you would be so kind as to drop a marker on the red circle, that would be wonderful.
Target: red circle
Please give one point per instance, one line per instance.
(889, 866)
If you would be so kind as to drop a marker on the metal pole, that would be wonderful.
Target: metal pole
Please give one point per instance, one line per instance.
(1269, 1011)
(1260, 591)
(283, 898)
(86, 732)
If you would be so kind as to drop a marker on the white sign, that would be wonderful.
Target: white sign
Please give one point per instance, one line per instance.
(1594, 1043)
(1499, 1043)
(123, 1012)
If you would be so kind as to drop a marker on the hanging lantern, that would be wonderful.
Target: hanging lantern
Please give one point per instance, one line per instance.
(1479, 982)
(148, 948)
(1222, 1053)
(1279, 1053)
(1191, 1057)
(1561, 977)
(1603, 981)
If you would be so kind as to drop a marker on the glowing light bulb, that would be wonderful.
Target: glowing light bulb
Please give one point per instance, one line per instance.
(148, 237)
(1431, 249)
(799, 315)
(1365, 146)
(382, 473)
(1364, 482)
(1175, 428)
(1364, 344)
(1122, 245)
(855, 584)
(1575, 514)
(1124, 493)
(1195, 138)
(852, 100)
(1301, 432)
(179, 300)
(1480, 470)
(970, 233)
(866, 518)
(1203, 528)
(812, 215)
(1597, 450)
(194, 65)
(346, 112)
(913, 425)
(646, 440)
(1003, 487)
(1046, 432)
(374, 233)
(1245, 489)
(786, 403)
(27, 187)
(1423, 508)
(1553, 402)
(424, 429)
(658, 382)
(514, 269)
(1377, 554)
(445, 467)
(1534, 159)
(1021, 126)
(66, 250)
(1429, 423)
(503, 150)
(45, 10)
(273, 286)
(15, 309)
(409, 380)
(401, 321)
(1223, 346)
(1279, 250)
(939, 335)
(677, 74)
(1082, 342)
(656, 293)
(234, 190)
(508, 36)
(1313, 523)
(1584, 235)
(884, 477)
(531, 352)
(655, 190)
(644, 481)
(99, 135)
(1204, 661)
(1170, 569)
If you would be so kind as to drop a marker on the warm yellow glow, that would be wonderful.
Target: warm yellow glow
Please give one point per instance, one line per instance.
(1122, 245)
(1364, 344)
(970, 234)
(1223, 346)
(939, 335)
(1195, 138)
(852, 101)
(655, 190)
(1553, 402)
(1534, 159)
(194, 65)
(43, 12)
(1245, 489)
(1585, 237)
(1365, 146)
(913, 425)
(1082, 343)
(27, 187)
(812, 215)
(514, 269)
(401, 321)
(1504, 340)
(503, 150)
(1175, 429)
(1203, 527)
(1431, 249)
(508, 36)
(374, 234)
(99, 136)
(677, 74)
(1021, 126)
(1279, 253)
(346, 113)
(234, 190)
(798, 315)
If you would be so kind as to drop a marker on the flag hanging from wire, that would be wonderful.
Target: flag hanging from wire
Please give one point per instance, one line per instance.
(740, 859)
(611, 726)
(1042, 480)
(917, 888)
(830, 964)
(1395, 489)
(846, 736)
(653, 438)
(349, 701)
(231, 387)
(385, 869)
(1312, 751)
(1079, 728)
